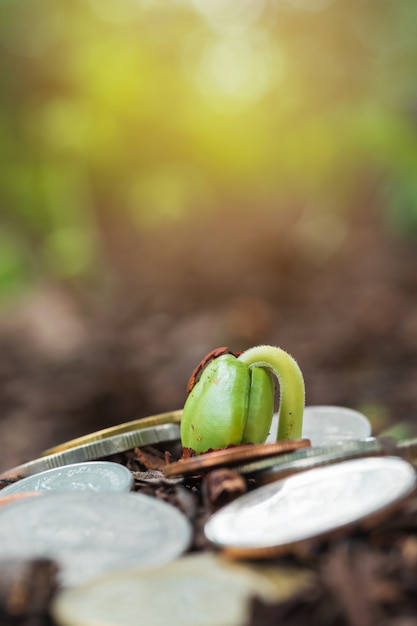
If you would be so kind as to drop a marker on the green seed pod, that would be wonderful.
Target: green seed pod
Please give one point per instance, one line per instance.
(261, 406)
(231, 403)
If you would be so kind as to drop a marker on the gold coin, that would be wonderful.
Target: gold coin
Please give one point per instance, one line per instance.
(171, 417)
(232, 456)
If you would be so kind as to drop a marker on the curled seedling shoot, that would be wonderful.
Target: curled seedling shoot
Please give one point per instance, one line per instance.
(231, 399)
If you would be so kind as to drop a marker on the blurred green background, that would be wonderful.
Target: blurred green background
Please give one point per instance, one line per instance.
(133, 114)
(181, 174)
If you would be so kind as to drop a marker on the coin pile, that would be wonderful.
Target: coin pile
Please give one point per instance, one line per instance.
(88, 520)
(121, 552)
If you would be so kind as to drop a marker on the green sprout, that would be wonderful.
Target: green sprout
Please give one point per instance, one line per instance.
(231, 399)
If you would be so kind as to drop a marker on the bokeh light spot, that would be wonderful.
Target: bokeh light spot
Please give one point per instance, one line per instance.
(232, 70)
(230, 12)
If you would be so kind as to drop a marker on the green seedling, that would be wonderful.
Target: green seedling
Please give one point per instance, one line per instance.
(231, 399)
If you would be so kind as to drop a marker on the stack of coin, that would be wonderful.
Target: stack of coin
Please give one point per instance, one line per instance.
(276, 467)
(86, 521)
(121, 554)
(230, 457)
(150, 425)
(104, 443)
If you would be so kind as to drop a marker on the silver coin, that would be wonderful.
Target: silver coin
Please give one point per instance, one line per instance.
(310, 505)
(88, 534)
(96, 476)
(97, 449)
(329, 424)
(201, 589)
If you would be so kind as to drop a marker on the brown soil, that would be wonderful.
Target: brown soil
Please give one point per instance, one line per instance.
(75, 360)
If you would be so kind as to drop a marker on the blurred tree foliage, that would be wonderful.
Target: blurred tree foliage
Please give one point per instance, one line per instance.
(149, 111)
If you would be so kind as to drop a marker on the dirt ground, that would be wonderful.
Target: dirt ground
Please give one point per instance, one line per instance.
(79, 358)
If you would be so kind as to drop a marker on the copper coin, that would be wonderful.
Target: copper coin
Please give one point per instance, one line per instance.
(232, 456)
(12, 497)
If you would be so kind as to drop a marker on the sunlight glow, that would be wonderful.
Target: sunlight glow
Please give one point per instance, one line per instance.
(230, 12)
(232, 70)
